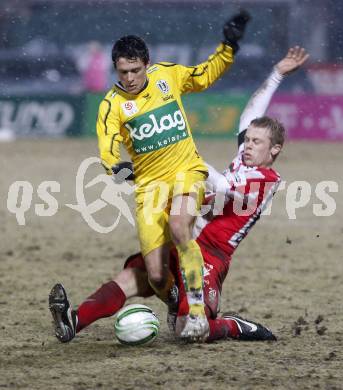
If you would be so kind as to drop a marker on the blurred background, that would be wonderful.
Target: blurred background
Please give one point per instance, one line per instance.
(55, 61)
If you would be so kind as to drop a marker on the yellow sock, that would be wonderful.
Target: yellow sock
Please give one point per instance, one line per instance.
(163, 293)
(191, 265)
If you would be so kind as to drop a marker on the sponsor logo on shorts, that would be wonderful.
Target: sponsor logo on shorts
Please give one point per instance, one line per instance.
(157, 129)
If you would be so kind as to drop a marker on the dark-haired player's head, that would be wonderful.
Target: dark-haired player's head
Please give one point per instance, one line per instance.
(130, 47)
(263, 142)
(130, 56)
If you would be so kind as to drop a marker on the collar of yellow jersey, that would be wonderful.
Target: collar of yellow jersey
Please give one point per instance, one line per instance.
(123, 91)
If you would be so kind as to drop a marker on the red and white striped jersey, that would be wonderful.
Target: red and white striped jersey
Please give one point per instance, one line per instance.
(248, 192)
(244, 192)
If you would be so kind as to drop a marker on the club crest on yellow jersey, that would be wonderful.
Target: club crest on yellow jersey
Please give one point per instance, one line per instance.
(163, 86)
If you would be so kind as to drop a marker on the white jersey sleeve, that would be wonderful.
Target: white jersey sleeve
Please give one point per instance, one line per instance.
(258, 103)
(216, 181)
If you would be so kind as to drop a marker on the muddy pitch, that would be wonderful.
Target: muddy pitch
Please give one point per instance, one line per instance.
(287, 275)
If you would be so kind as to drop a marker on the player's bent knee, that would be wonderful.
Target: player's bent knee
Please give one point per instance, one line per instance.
(180, 232)
(123, 276)
(157, 280)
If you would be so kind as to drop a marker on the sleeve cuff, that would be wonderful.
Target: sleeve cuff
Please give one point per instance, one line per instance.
(276, 76)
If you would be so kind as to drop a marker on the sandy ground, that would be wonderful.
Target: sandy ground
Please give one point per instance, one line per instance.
(287, 274)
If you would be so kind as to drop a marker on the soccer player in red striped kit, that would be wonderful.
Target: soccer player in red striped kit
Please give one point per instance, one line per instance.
(238, 197)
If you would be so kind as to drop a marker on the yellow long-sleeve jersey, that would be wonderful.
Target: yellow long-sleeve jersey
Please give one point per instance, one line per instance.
(152, 124)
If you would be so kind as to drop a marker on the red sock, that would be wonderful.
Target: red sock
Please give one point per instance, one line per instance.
(103, 303)
(222, 328)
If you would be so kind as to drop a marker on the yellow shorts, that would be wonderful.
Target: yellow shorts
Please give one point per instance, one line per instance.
(154, 205)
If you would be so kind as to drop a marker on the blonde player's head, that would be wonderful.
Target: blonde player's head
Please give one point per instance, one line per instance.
(263, 142)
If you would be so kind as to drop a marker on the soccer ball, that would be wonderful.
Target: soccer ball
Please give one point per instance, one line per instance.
(136, 325)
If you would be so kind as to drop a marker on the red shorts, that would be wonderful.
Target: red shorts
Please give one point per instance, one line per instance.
(215, 271)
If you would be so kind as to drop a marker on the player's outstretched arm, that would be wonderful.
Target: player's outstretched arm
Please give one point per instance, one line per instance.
(259, 102)
(293, 60)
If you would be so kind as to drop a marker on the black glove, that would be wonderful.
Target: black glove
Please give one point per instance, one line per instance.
(127, 165)
(234, 28)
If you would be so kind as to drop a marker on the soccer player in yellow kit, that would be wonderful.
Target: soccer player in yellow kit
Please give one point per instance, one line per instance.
(144, 111)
